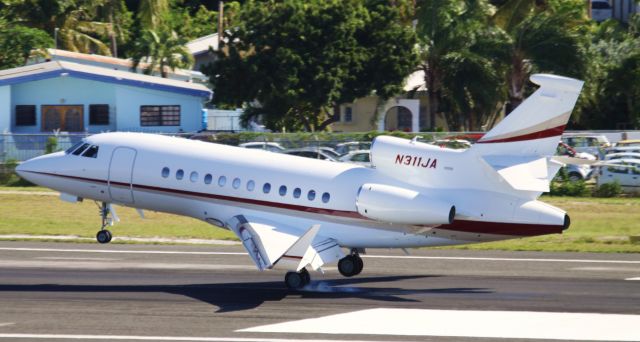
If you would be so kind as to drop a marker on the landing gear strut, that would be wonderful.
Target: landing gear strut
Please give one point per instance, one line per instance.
(297, 280)
(104, 235)
(351, 265)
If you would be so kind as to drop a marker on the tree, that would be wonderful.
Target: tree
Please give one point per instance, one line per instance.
(161, 49)
(463, 60)
(18, 43)
(78, 22)
(545, 37)
(293, 62)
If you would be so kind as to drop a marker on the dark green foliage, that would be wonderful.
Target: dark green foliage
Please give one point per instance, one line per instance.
(612, 189)
(569, 188)
(18, 43)
(8, 176)
(299, 59)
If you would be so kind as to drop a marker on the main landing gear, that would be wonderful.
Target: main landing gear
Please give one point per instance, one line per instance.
(297, 280)
(351, 265)
(104, 235)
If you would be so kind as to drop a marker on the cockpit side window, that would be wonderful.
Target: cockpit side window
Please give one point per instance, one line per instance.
(91, 152)
(72, 148)
(80, 150)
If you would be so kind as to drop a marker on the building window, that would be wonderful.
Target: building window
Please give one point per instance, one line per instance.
(99, 114)
(25, 115)
(165, 172)
(160, 115)
(348, 114)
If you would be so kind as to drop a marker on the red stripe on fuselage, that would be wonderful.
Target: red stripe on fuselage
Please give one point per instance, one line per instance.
(551, 132)
(467, 226)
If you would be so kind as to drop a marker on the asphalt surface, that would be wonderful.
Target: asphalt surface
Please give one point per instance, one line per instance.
(153, 292)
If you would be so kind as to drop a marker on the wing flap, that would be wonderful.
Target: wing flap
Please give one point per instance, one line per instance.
(275, 245)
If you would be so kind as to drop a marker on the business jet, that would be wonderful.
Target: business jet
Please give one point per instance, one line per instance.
(296, 213)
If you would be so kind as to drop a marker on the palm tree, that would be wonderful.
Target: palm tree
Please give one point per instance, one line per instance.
(162, 50)
(545, 37)
(462, 60)
(152, 13)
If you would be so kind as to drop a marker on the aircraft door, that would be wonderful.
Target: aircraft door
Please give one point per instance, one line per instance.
(121, 174)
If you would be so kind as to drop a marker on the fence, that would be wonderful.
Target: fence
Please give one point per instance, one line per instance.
(21, 147)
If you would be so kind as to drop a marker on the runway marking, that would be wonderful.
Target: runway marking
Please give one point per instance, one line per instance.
(160, 338)
(636, 278)
(77, 259)
(591, 261)
(456, 323)
(6, 324)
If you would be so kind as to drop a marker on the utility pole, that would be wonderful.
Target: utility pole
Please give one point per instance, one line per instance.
(589, 9)
(220, 22)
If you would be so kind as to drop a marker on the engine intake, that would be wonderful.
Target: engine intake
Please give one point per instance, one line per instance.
(399, 205)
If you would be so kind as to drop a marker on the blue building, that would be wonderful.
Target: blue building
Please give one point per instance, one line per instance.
(71, 97)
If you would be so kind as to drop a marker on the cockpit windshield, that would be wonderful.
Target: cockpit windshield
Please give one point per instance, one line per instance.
(74, 147)
(80, 150)
(83, 149)
(91, 152)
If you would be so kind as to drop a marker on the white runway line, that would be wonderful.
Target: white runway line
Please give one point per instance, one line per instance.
(456, 323)
(6, 324)
(160, 338)
(71, 250)
(636, 278)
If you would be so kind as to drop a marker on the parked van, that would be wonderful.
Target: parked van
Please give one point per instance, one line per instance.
(593, 144)
(627, 174)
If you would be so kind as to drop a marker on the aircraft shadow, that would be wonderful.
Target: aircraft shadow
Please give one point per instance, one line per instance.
(228, 297)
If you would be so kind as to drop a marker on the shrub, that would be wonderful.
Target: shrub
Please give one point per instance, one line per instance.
(612, 189)
(566, 188)
(51, 145)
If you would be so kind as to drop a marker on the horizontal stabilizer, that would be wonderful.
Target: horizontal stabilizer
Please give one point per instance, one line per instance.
(522, 173)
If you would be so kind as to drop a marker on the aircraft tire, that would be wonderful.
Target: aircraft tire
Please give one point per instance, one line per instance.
(347, 266)
(103, 236)
(306, 277)
(358, 263)
(294, 280)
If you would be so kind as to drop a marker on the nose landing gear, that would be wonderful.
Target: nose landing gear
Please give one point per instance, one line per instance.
(108, 216)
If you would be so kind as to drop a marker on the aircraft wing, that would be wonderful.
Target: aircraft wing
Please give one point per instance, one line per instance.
(276, 245)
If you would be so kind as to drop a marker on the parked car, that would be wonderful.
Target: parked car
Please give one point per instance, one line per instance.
(628, 143)
(601, 10)
(627, 174)
(455, 144)
(344, 148)
(310, 152)
(623, 149)
(575, 172)
(361, 157)
(622, 155)
(594, 144)
(268, 146)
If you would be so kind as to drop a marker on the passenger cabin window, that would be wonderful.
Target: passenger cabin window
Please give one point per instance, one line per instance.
(193, 177)
(297, 192)
(91, 152)
(179, 174)
(165, 172)
(236, 183)
(266, 188)
(326, 197)
(208, 178)
(251, 185)
(222, 180)
(80, 150)
(311, 195)
(283, 190)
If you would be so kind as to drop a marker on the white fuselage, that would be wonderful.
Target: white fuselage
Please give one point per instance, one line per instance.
(214, 183)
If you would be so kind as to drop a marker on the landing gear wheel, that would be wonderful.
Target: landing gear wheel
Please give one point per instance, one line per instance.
(294, 280)
(305, 276)
(359, 264)
(347, 266)
(104, 236)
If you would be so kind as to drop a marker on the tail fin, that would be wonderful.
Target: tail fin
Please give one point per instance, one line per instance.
(535, 127)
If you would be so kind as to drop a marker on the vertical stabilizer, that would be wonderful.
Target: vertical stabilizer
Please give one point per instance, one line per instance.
(535, 127)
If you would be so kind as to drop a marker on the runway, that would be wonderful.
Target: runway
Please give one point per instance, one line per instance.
(65, 291)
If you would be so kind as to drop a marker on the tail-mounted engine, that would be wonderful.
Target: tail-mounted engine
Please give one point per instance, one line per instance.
(399, 205)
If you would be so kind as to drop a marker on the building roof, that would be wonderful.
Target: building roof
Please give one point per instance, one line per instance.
(201, 45)
(53, 69)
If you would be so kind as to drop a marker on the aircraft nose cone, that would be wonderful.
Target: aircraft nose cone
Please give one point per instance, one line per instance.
(20, 169)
